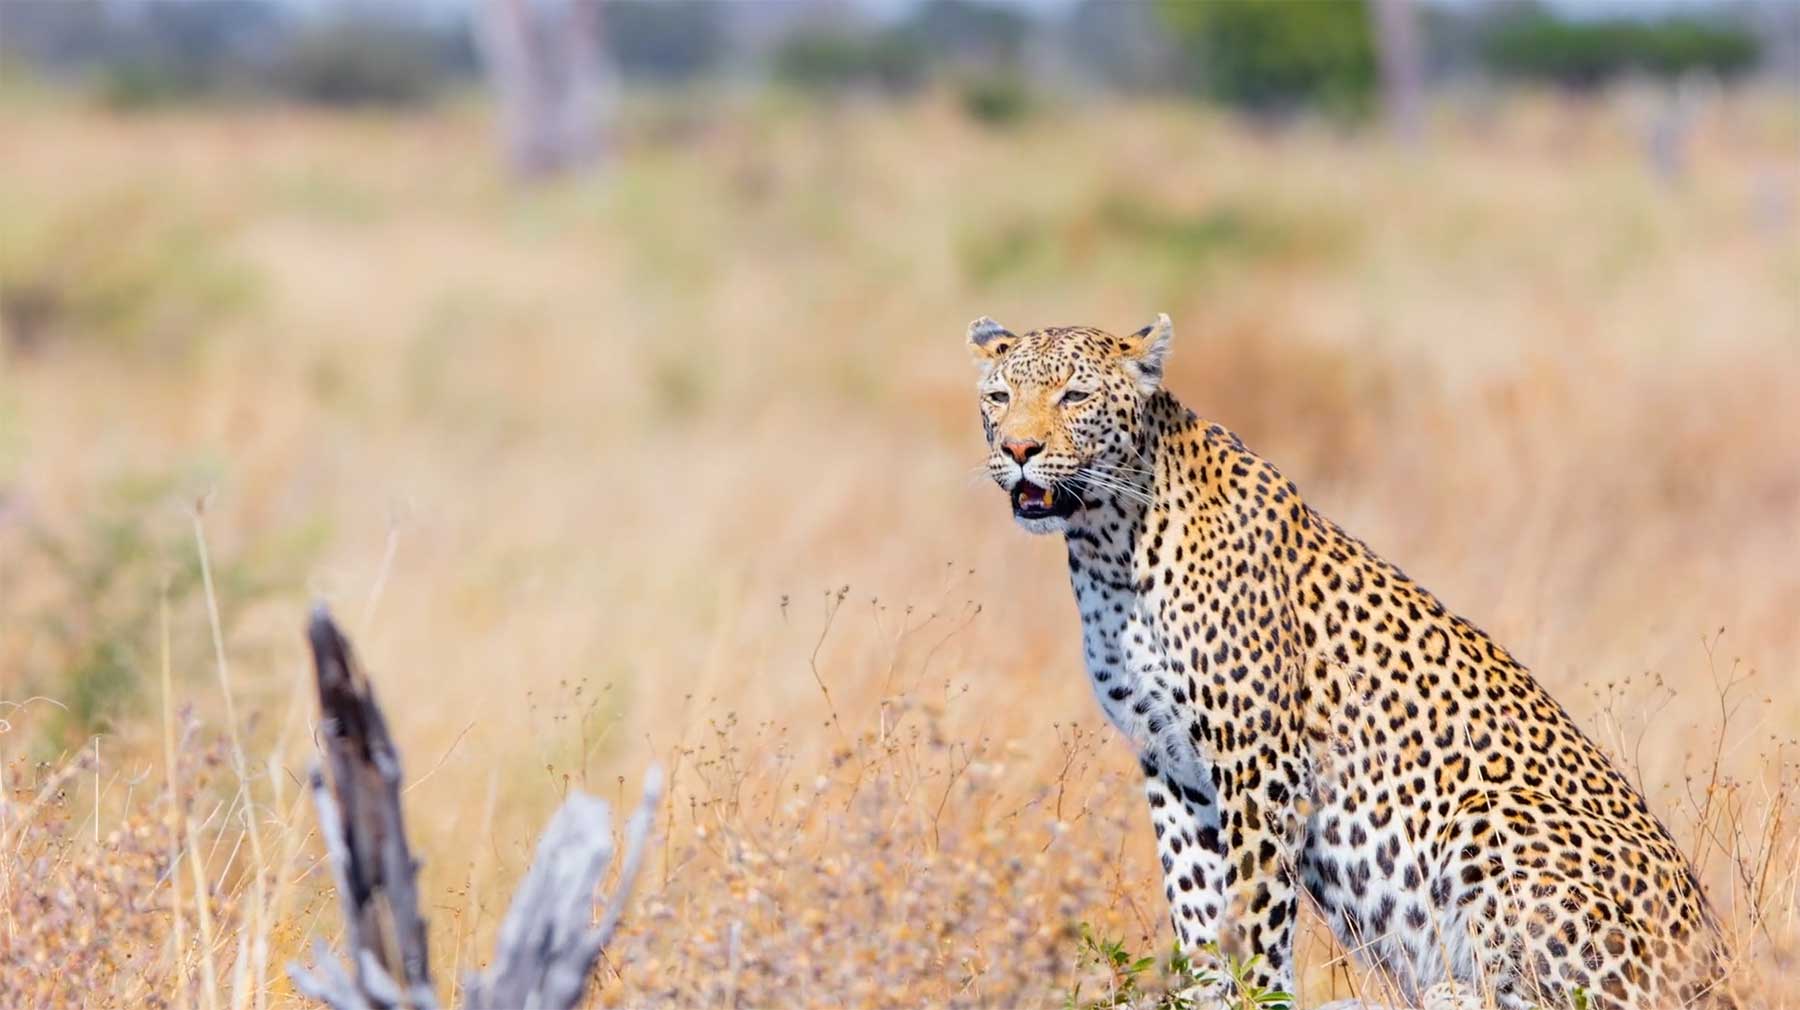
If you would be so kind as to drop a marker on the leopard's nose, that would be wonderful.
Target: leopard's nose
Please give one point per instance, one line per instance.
(1022, 450)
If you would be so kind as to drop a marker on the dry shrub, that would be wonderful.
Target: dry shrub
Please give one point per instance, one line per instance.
(100, 907)
(907, 874)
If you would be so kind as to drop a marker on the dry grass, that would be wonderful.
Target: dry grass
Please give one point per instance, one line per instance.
(675, 463)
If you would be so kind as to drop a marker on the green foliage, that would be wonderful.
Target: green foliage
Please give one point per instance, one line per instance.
(1274, 56)
(1588, 54)
(1136, 982)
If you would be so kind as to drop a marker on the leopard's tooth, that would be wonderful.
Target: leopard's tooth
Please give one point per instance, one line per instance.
(1049, 493)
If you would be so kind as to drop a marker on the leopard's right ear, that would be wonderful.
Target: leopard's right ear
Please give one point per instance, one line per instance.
(1146, 351)
(989, 341)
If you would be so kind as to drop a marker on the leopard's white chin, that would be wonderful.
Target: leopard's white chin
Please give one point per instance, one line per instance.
(1046, 524)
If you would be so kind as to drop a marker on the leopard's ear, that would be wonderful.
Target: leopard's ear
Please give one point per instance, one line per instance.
(1145, 352)
(989, 341)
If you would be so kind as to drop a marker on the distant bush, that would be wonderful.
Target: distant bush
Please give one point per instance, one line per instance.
(1272, 56)
(822, 60)
(163, 53)
(134, 269)
(137, 84)
(1587, 54)
(975, 46)
(239, 49)
(969, 33)
(363, 62)
(662, 41)
(996, 99)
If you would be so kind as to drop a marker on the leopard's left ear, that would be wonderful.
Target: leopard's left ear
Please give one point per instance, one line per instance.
(989, 341)
(1145, 352)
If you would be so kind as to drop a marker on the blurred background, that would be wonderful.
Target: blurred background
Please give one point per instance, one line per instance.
(602, 364)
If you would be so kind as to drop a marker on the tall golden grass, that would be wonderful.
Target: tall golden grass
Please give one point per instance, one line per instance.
(678, 462)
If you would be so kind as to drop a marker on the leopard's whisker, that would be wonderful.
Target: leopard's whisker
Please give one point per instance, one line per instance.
(1113, 484)
(1109, 468)
(1134, 493)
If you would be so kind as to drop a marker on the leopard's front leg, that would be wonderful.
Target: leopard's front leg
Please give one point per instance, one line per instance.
(1260, 838)
(1186, 821)
(1222, 896)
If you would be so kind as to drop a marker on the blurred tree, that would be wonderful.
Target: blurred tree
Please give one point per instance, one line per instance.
(1272, 56)
(545, 60)
(1120, 45)
(1589, 54)
(1402, 72)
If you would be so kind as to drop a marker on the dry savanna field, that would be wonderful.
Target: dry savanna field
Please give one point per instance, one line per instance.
(679, 462)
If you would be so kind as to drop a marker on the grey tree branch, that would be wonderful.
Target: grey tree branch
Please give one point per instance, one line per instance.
(548, 943)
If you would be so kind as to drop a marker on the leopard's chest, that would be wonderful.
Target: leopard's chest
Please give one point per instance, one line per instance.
(1138, 686)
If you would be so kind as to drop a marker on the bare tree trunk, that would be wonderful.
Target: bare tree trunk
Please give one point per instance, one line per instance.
(548, 943)
(1402, 76)
(547, 66)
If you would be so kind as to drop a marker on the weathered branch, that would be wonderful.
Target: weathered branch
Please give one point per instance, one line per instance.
(365, 833)
(548, 943)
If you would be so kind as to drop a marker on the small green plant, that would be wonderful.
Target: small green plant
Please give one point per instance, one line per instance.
(100, 581)
(1138, 982)
(1124, 972)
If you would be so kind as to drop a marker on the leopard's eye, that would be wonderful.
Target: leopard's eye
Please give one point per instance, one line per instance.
(998, 397)
(1075, 396)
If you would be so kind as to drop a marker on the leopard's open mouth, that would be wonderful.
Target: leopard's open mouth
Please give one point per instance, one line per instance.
(1032, 502)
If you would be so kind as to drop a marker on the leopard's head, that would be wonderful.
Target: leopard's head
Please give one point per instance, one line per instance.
(1062, 408)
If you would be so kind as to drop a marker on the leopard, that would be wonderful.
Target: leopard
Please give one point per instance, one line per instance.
(1317, 730)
